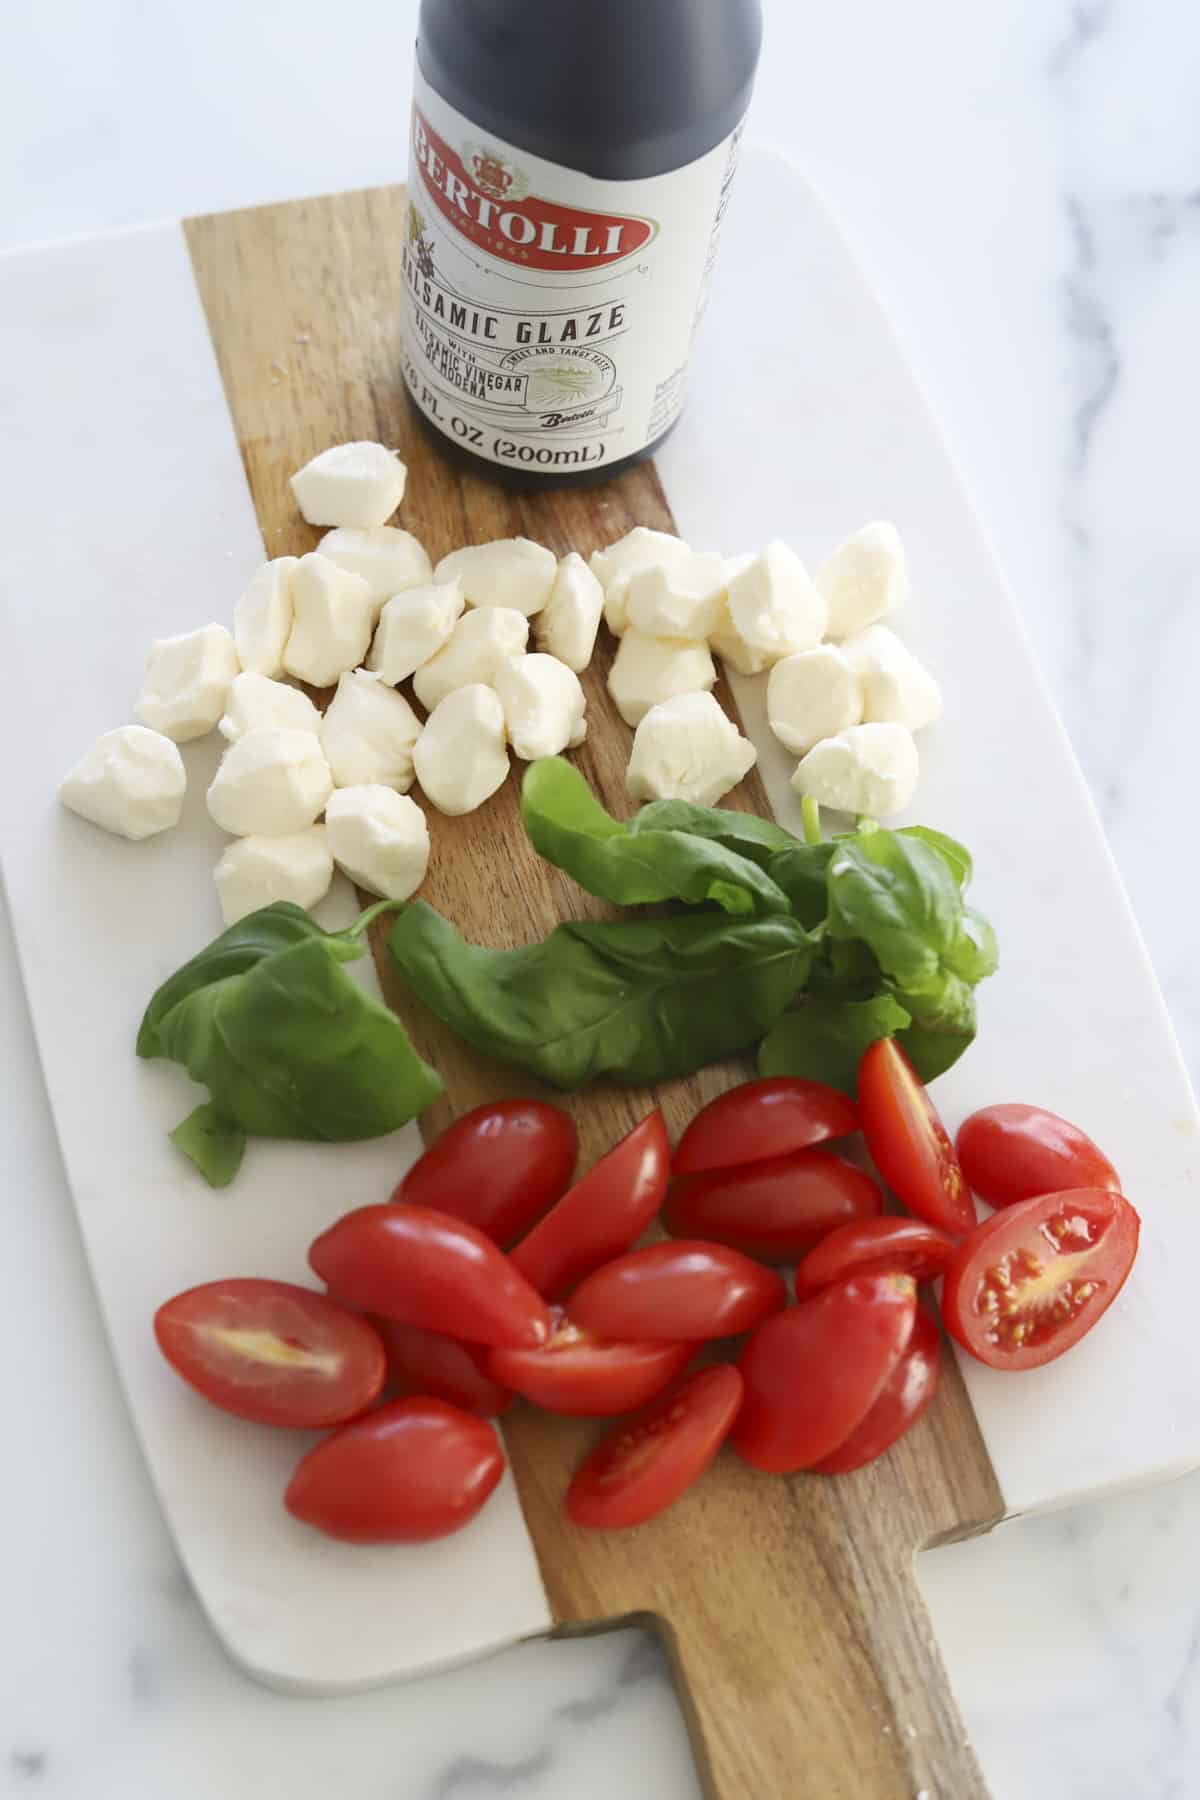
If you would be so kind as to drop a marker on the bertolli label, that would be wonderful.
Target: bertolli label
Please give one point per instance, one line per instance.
(548, 316)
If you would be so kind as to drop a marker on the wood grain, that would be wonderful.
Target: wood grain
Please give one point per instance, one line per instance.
(806, 1659)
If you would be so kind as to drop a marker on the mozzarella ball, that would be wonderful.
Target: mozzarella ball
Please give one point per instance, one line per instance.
(379, 838)
(358, 485)
(685, 599)
(413, 627)
(479, 643)
(333, 620)
(270, 782)
(864, 579)
(460, 757)
(773, 610)
(870, 770)
(256, 702)
(897, 689)
(567, 625)
(131, 782)
(368, 734)
(646, 670)
(262, 617)
(613, 566)
(688, 748)
(258, 871)
(388, 559)
(187, 683)
(543, 705)
(510, 572)
(813, 695)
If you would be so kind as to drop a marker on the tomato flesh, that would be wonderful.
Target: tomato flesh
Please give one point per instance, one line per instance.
(645, 1464)
(425, 1268)
(909, 1145)
(413, 1470)
(675, 1291)
(587, 1377)
(603, 1214)
(428, 1362)
(498, 1167)
(875, 1247)
(906, 1395)
(272, 1352)
(764, 1118)
(1011, 1153)
(813, 1373)
(776, 1209)
(1032, 1280)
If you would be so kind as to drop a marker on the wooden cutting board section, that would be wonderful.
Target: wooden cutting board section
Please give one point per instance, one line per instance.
(806, 1660)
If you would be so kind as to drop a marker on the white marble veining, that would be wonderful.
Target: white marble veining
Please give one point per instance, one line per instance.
(1022, 177)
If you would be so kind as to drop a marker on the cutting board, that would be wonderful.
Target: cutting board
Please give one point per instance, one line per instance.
(791, 1606)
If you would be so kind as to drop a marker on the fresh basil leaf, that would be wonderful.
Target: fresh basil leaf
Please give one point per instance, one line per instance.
(956, 856)
(214, 1144)
(935, 1042)
(974, 953)
(898, 896)
(824, 1040)
(640, 1000)
(802, 871)
(294, 1048)
(745, 833)
(260, 934)
(569, 827)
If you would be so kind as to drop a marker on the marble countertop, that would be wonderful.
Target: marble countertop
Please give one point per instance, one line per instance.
(1022, 178)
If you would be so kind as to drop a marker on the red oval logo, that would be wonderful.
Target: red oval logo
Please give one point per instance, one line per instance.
(485, 197)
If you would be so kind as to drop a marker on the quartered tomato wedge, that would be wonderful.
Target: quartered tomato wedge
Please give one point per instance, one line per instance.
(875, 1247)
(410, 1471)
(603, 1214)
(498, 1167)
(645, 1464)
(678, 1290)
(428, 1362)
(425, 1268)
(271, 1352)
(909, 1390)
(1012, 1153)
(771, 1117)
(586, 1377)
(813, 1373)
(909, 1145)
(1031, 1281)
(776, 1209)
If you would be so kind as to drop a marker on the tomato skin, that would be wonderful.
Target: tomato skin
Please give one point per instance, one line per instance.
(1091, 1234)
(645, 1464)
(298, 1358)
(411, 1471)
(906, 1395)
(771, 1117)
(776, 1209)
(680, 1290)
(1011, 1153)
(813, 1373)
(875, 1247)
(428, 1362)
(425, 1268)
(602, 1215)
(498, 1167)
(909, 1145)
(587, 1378)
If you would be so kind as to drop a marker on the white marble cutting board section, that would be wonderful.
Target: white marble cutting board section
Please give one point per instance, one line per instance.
(131, 518)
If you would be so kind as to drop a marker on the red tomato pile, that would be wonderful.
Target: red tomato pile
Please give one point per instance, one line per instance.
(429, 1296)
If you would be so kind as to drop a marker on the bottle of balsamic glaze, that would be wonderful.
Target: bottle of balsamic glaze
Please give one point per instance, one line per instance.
(571, 164)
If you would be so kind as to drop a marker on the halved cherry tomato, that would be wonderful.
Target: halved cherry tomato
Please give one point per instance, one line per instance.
(875, 1247)
(771, 1117)
(498, 1167)
(675, 1291)
(578, 1374)
(427, 1362)
(1032, 1280)
(911, 1387)
(645, 1464)
(271, 1352)
(909, 1145)
(813, 1373)
(1012, 1153)
(425, 1268)
(410, 1471)
(603, 1214)
(775, 1209)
